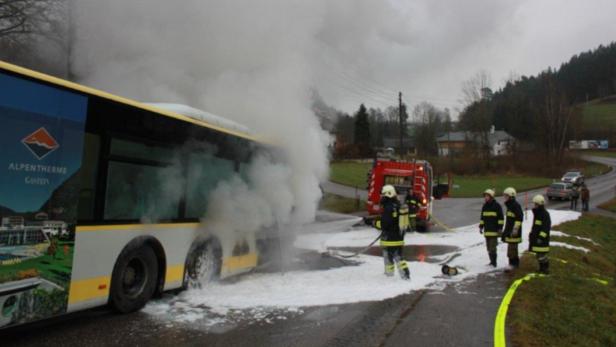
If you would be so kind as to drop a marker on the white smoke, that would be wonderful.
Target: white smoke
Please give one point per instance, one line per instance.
(249, 61)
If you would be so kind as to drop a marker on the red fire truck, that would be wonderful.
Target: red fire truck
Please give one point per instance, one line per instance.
(403, 174)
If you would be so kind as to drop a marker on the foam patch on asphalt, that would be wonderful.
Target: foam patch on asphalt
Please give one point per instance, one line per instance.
(267, 297)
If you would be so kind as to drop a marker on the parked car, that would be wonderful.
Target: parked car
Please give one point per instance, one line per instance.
(573, 177)
(560, 190)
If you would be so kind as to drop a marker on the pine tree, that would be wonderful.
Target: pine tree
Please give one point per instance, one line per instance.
(362, 131)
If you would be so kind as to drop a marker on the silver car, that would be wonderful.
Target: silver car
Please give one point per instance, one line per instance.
(560, 191)
(573, 177)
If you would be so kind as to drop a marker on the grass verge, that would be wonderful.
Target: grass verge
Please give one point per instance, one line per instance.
(350, 173)
(609, 205)
(336, 203)
(596, 153)
(569, 307)
(354, 174)
(474, 186)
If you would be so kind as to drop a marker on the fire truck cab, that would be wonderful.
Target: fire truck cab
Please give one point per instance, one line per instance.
(404, 175)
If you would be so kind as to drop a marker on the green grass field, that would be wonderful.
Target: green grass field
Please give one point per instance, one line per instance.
(575, 305)
(354, 174)
(336, 203)
(473, 186)
(606, 154)
(595, 169)
(599, 115)
(609, 205)
(350, 173)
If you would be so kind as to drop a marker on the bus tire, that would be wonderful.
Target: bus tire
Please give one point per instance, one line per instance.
(203, 264)
(134, 278)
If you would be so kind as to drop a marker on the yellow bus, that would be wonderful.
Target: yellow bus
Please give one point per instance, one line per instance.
(127, 184)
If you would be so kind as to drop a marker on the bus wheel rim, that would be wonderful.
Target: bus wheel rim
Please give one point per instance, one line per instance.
(134, 277)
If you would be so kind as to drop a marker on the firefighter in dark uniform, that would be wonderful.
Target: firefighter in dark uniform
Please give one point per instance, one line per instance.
(539, 238)
(491, 223)
(392, 238)
(413, 203)
(512, 234)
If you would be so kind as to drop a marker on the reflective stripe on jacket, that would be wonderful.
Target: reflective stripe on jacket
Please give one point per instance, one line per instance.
(515, 216)
(389, 223)
(491, 218)
(539, 237)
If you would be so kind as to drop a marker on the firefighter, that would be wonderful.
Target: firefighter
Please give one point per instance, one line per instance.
(512, 234)
(539, 238)
(413, 203)
(392, 238)
(491, 223)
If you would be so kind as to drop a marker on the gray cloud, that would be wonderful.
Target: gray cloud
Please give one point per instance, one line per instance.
(351, 50)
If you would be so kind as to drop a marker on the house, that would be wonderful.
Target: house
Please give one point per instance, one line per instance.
(454, 142)
(408, 144)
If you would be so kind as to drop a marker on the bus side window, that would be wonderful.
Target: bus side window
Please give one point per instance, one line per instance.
(205, 172)
(143, 181)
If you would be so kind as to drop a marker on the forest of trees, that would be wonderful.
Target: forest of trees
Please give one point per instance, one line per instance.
(544, 110)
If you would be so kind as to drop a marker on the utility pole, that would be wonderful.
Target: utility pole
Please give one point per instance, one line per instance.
(401, 125)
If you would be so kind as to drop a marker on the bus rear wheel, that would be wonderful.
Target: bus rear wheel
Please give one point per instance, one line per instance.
(203, 264)
(134, 279)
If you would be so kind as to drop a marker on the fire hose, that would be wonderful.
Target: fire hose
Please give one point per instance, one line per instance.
(363, 250)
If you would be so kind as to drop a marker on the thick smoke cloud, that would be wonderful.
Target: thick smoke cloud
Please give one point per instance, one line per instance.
(249, 61)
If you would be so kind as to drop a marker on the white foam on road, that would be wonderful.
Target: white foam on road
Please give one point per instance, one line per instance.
(271, 296)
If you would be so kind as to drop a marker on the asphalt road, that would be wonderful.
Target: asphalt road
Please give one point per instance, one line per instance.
(461, 315)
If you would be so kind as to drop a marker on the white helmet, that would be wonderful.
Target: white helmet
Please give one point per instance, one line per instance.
(489, 192)
(388, 191)
(510, 192)
(539, 199)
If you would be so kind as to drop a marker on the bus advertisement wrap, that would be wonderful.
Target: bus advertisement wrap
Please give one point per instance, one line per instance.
(41, 138)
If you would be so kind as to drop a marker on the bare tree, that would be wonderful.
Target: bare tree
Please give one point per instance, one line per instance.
(555, 119)
(476, 88)
(428, 123)
(476, 116)
(34, 32)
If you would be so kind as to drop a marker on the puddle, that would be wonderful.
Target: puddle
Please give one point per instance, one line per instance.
(305, 261)
(421, 253)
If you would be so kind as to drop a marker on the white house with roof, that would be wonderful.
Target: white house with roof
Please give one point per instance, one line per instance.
(500, 142)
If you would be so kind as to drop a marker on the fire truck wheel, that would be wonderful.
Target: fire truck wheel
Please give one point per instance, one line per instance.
(134, 278)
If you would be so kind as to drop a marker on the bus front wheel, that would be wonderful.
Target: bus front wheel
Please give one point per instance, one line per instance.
(134, 278)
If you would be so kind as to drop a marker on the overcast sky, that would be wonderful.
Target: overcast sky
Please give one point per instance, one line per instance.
(205, 52)
(427, 48)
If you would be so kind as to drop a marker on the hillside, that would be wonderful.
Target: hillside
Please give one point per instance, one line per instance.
(600, 114)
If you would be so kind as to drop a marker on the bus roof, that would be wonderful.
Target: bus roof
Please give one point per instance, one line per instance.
(212, 121)
(202, 116)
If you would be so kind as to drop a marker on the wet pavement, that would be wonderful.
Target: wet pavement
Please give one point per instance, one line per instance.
(460, 315)
(418, 253)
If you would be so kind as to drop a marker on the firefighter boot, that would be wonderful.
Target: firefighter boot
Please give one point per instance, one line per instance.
(406, 274)
(544, 268)
(516, 262)
(511, 265)
(493, 259)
